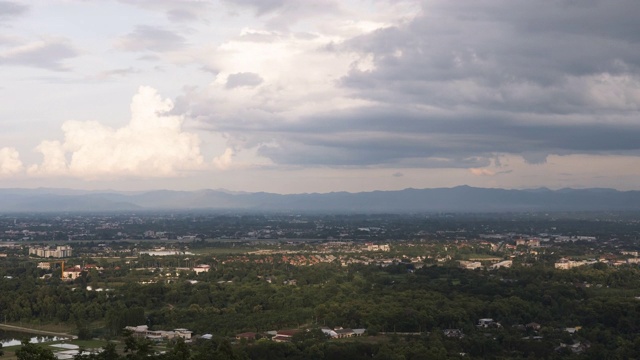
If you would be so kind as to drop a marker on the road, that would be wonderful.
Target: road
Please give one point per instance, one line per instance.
(35, 331)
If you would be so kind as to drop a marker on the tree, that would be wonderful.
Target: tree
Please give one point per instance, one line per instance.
(179, 351)
(139, 348)
(30, 351)
(109, 352)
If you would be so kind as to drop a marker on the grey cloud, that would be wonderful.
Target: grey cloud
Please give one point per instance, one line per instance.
(261, 6)
(467, 80)
(391, 153)
(385, 136)
(243, 79)
(176, 11)
(180, 15)
(260, 37)
(487, 43)
(534, 158)
(47, 54)
(10, 9)
(117, 73)
(151, 38)
(283, 13)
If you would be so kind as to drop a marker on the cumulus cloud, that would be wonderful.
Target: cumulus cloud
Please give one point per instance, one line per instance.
(10, 163)
(152, 144)
(223, 162)
(48, 53)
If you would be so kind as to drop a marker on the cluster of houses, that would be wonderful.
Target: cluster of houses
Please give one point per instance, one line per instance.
(528, 242)
(143, 331)
(376, 247)
(287, 335)
(565, 263)
(569, 264)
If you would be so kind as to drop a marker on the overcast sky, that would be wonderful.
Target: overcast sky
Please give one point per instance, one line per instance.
(293, 96)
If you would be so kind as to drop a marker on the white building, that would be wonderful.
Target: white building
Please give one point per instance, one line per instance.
(45, 251)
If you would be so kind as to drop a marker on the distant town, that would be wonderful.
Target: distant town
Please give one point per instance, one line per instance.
(173, 271)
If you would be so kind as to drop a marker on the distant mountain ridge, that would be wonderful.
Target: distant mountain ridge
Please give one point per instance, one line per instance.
(456, 199)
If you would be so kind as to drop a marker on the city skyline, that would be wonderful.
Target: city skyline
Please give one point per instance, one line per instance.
(287, 96)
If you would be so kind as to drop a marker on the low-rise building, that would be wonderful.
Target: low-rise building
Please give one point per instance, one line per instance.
(201, 268)
(470, 265)
(505, 264)
(143, 331)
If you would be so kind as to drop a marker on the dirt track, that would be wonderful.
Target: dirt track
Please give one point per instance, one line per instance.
(35, 331)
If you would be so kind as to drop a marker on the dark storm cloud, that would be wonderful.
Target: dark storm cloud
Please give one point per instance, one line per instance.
(151, 38)
(491, 48)
(466, 81)
(395, 136)
(522, 77)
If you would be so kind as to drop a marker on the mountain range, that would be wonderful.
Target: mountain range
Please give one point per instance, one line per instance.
(455, 199)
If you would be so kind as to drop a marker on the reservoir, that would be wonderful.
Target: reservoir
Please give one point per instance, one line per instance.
(13, 338)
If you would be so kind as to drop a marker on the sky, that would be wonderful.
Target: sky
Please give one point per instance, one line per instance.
(295, 96)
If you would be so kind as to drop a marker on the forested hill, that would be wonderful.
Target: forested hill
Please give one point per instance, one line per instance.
(456, 199)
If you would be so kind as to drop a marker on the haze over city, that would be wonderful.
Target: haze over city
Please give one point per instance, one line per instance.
(293, 96)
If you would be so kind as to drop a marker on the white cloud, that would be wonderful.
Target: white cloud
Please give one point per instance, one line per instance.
(223, 162)
(10, 163)
(152, 144)
(54, 162)
(481, 172)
